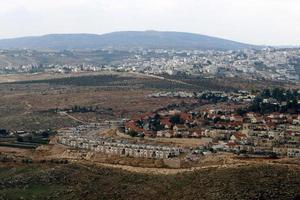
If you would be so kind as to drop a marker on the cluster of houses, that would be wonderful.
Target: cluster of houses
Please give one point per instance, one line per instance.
(265, 64)
(148, 125)
(274, 133)
(81, 138)
(222, 129)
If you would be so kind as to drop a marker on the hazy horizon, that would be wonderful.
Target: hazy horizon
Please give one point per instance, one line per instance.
(261, 22)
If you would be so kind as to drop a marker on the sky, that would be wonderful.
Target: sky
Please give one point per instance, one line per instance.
(268, 22)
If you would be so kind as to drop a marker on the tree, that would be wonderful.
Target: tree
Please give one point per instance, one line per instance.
(241, 111)
(278, 94)
(133, 133)
(3, 132)
(176, 119)
(20, 139)
(266, 93)
(154, 123)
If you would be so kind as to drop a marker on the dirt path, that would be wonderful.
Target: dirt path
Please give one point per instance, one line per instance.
(163, 78)
(72, 117)
(165, 171)
(28, 108)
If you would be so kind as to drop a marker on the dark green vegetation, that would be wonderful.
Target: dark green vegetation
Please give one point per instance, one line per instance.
(176, 120)
(171, 83)
(115, 81)
(276, 100)
(99, 80)
(83, 182)
(133, 133)
(25, 140)
(19, 145)
(126, 39)
(280, 94)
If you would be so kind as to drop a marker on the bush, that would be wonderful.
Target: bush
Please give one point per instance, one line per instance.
(176, 119)
(133, 133)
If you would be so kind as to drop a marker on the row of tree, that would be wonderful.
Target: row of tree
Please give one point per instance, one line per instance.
(278, 100)
(280, 94)
(3, 132)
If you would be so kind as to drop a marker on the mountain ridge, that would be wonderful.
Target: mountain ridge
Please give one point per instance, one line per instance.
(124, 39)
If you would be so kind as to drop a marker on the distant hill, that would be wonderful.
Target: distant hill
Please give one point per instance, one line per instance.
(125, 39)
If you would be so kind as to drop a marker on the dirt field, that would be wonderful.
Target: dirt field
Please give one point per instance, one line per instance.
(30, 106)
(29, 103)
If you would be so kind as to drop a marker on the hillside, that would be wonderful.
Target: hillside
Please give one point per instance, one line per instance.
(125, 39)
(74, 181)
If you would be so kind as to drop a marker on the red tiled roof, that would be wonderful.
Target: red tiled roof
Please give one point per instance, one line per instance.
(231, 144)
(239, 135)
(132, 126)
(185, 116)
(165, 121)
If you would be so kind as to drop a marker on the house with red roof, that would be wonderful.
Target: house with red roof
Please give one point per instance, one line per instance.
(239, 138)
(165, 122)
(186, 117)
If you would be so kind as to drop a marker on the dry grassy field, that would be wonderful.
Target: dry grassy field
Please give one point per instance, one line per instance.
(30, 105)
(28, 101)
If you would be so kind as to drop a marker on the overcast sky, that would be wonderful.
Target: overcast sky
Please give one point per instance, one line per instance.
(272, 22)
